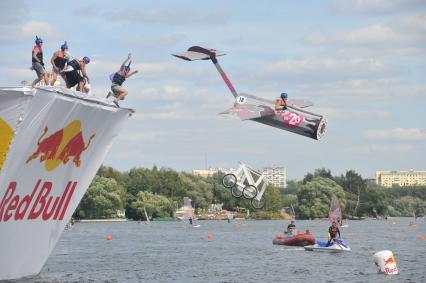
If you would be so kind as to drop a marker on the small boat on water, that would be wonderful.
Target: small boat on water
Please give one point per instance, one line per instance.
(337, 246)
(295, 240)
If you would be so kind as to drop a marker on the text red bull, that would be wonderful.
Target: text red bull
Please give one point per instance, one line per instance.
(48, 207)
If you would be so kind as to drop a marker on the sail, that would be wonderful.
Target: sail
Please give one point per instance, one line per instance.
(188, 211)
(335, 213)
(146, 215)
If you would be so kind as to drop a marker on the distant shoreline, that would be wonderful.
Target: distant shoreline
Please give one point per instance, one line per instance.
(102, 220)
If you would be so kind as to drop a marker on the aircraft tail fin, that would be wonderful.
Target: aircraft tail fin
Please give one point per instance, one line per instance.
(199, 53)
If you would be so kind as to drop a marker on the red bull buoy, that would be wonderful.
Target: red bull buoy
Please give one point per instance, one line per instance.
(209, 236)
(108, 238)
(385, 262)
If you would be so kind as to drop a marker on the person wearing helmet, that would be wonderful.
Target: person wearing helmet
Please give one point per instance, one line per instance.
(118, 79)
(281, 103)
(37, 62)
(333, 230)
(59, 60)
(76, 74)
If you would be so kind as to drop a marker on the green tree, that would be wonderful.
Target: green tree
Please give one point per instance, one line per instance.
(102, 200)
(374, 201)
(315, 196)
(272, 199)
(353, 183)
(321, 172)
(155, 205)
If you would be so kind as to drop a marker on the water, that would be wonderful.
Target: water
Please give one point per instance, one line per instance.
(176, 252)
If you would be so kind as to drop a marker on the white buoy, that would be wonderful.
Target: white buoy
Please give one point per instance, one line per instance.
(385, 262)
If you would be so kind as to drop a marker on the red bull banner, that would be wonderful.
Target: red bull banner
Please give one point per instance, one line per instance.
(52, 151)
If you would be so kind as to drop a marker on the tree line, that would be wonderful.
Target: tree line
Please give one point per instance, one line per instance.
(161, 191)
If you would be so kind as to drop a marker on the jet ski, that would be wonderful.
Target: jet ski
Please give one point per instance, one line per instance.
(336, 246)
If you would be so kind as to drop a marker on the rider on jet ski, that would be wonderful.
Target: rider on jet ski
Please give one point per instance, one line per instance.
(333, 230)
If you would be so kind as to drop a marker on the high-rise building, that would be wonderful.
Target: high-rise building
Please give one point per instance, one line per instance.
(277, 176)
(401, 178)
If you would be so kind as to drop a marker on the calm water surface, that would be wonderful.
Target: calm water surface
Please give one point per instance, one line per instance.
(237, 252)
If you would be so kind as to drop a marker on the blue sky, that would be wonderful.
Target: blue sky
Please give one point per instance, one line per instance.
(362, 63)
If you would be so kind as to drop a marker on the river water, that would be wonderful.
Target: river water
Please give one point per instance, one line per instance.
(240, 251)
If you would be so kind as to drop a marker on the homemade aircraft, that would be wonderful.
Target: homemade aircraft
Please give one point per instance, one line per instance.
(249, 107)
(248, 183)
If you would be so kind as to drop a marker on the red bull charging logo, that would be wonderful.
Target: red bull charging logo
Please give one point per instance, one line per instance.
(60, 147)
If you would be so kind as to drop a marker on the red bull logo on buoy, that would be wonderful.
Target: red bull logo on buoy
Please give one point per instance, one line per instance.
(385, 262)
(62, 146)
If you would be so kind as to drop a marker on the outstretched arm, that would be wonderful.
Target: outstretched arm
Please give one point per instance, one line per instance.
(125, 61)
(131, 74)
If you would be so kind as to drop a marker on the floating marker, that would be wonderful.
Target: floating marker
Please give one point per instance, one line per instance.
(108, 238)
(385, 262)
(209, 236)
(421, 238)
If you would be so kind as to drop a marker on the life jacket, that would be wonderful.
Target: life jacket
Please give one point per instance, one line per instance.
(75, 64)
(118, 78)
(333, 231)
(39, 54)
(60, 61)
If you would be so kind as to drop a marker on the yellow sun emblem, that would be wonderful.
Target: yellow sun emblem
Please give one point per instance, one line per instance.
(6, 136)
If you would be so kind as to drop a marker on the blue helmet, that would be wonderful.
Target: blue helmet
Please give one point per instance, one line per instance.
(284, 95)
(64, 46)
(38, 40)
(86, 59)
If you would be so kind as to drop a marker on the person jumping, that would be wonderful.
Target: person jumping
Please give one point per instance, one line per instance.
(118, 79)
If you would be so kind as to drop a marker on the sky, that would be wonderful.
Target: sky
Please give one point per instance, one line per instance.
(361, 62)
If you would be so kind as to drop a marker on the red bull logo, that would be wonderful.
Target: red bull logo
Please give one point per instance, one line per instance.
(60, 147)
(40, 203)
(390, 266)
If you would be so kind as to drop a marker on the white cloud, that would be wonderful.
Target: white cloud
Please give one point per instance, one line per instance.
(353, 114)
(396, 133)
(377, 6)
(375, 148)
(168, 16)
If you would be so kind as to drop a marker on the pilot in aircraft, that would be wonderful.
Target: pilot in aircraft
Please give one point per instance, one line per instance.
(281, 104)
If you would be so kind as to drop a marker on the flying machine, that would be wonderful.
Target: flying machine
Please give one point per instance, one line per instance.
(248, 183)
(294, 119)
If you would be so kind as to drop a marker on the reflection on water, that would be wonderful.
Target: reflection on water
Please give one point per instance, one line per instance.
(176, 252)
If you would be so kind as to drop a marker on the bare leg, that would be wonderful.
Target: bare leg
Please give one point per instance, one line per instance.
(54, 78)
(81, 86)
(36, 81)
(46, 79)
(122, 94)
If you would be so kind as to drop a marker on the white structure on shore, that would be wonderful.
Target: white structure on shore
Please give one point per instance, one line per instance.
(276, 175)
(401, 178)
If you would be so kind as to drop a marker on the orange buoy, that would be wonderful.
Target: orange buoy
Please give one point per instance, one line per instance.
(421, 238)
(108, 238)
(209, 236)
